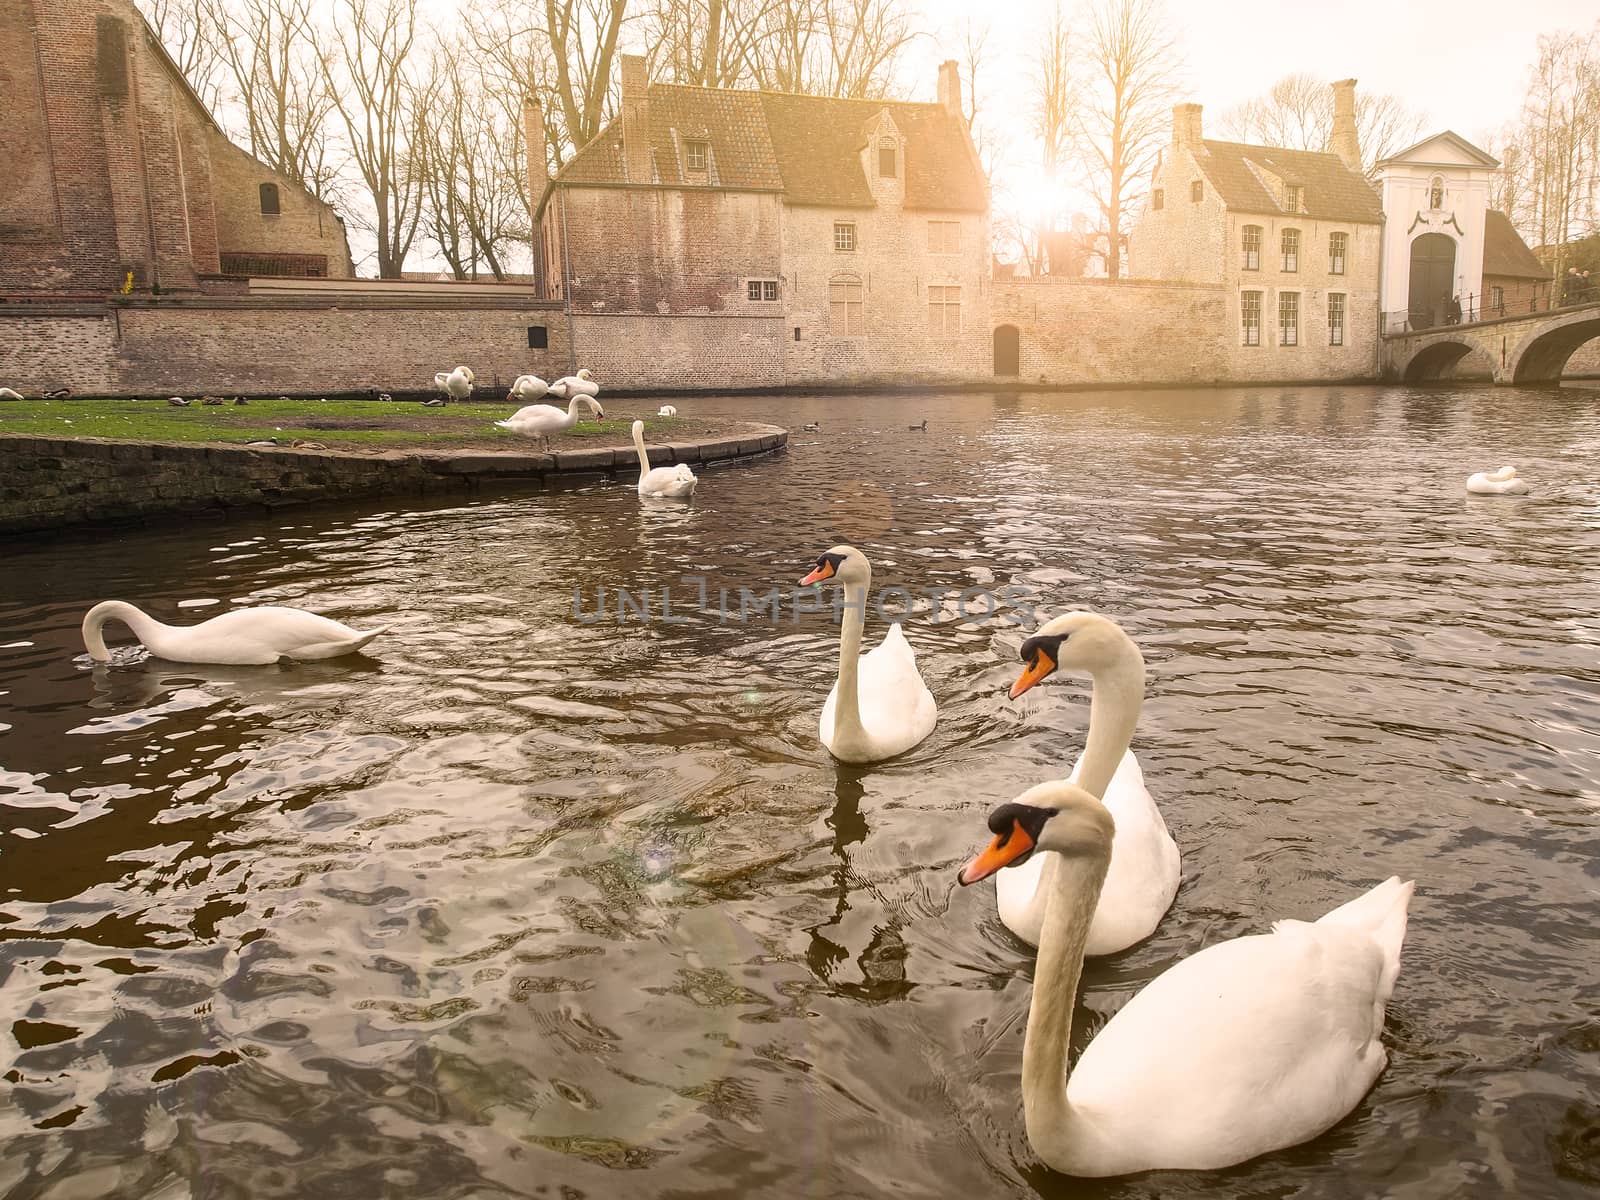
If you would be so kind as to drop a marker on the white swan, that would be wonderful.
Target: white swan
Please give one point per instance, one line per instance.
(1249, 1046)
(456, 384)
(675, 483)
(541, 420)
(581, 384)
(879, 706)
(7, 394)
(244, 637)
(528, 387)
(1503, 482)
(666, 410)
(1144, 873)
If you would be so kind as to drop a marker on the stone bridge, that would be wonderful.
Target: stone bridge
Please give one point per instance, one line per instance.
(1532, 348)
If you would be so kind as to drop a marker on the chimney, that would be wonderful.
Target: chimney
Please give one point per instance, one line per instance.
(1186, 126)
(950, 88)
(636, 119)
(1346, 142)
(533, 143)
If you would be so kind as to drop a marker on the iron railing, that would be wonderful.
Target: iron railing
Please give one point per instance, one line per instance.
(1494, 305)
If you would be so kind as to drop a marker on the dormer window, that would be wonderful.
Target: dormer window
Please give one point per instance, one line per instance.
(1291, 197)
(888, 159)
(1436, 193)
(696, 154)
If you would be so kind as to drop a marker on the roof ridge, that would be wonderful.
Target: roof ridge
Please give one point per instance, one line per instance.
(761, 91)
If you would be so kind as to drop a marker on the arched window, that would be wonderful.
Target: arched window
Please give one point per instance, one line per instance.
(1436, 193)
(888, 154)
(1291, 249)
(1252, 248)
(269, 199)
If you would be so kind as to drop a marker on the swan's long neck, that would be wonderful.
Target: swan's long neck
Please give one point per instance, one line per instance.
(144, 627)
(1113, 713)
(1069, 909)
(638, 444)
(847, 708)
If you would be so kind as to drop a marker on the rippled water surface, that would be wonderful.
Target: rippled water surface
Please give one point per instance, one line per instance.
(528, 905)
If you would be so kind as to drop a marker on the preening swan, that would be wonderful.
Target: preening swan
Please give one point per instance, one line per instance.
(581, 384)
(1249, 1046)
(244, 637)
(675, 483)
(1503, 482)
(528, 387)
(666, 410)
(7, 394)
(541, 420)
(1144, 873)
(456, 384)
(879, 706)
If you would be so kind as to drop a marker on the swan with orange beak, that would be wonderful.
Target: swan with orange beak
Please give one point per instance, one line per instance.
(879, 706)
(1142, 879)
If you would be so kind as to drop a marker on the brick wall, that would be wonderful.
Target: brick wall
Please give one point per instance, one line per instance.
(1090, 332)
(294, 345)
(303, 224)
(655, 353)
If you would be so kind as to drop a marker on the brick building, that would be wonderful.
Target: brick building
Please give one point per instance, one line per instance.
(114, 167)
(791, 239)
(1291, 236)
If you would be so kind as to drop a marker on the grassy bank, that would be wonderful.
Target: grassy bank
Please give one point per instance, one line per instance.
(337, 424)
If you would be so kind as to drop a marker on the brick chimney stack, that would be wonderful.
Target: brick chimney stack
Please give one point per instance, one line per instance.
(950, 88)
(1346, 142)
(533, 143)
(1186, 126)
(636, 159)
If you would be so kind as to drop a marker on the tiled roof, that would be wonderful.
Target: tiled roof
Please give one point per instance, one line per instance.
(1505, 254)
(1329, 190)
(809, 147)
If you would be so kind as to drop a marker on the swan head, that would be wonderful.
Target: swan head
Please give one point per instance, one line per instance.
(583, 373)
(1058, 816)
(599, 413)
(466, 371)
(844, 565)
(1076, 641)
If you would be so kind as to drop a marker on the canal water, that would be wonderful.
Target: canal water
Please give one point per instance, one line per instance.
(537, 902)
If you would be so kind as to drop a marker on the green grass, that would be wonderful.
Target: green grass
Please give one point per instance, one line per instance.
(398, 424)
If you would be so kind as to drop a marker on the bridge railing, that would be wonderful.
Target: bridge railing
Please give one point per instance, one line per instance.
(1493, 305)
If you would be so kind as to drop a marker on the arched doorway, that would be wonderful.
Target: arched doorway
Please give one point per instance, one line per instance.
(1433, 276)
(1007, 350)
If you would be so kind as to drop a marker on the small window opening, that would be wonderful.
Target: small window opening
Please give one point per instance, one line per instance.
(888, 167)
(269, 199)
(538, 337)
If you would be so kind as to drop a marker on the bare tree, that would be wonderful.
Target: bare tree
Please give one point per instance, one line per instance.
(375, 95)
(710, 43)
(190, 35)
(1297, 114)
(272, 51)
(1560, 134)
(1129, 77)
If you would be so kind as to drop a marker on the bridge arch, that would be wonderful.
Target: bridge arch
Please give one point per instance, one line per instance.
(1544, 357)
(1436, 361)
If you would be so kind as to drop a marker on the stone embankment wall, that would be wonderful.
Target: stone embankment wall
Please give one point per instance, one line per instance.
(47, 483)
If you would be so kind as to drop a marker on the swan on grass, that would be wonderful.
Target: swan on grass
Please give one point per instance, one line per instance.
(879, 705)
(455, 384)
(244, 637)
(1503, 482)
(581, 384)
(1249, 1046)
(666, 410)
(541, 420)
(673, 483)
(7, 394)
(528, 387)
(1143, 877)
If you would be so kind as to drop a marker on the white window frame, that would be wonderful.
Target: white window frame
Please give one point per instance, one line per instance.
(844, 237)
(944, 309)
(761, 291)
(694, 148)
(1250, 331)
(1337, 261)
(1250, 259)
(944, 237)
(1289, 260)
(847, 308)
(1288, 330)
(1336, 318)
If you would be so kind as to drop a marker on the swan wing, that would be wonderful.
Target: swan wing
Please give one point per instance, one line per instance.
(897, 709)
(1250, 1045)
(257, 636)
(673, 482)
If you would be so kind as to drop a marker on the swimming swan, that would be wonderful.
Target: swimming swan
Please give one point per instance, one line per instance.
(675, 483)
(1144, 873)
(1503, 482)
(457, 384)
(528, 387)
(581, 384)
(541, 420)
(879, 706)
(1249, 1046)
(244, 637)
